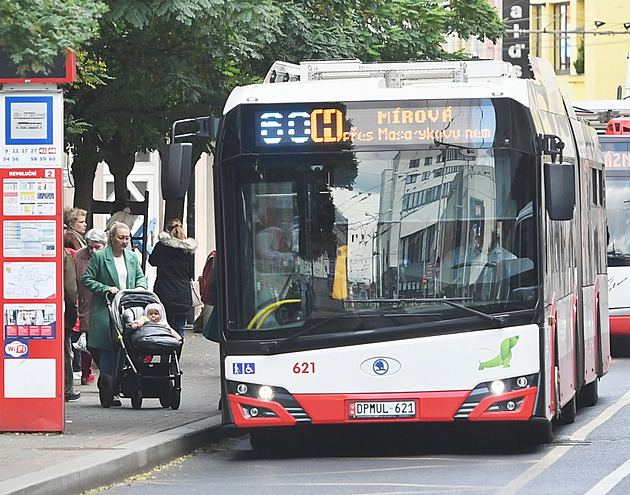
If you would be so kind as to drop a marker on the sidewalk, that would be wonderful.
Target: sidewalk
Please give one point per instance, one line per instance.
(100, 446)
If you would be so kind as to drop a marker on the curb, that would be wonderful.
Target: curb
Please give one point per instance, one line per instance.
(116, 464)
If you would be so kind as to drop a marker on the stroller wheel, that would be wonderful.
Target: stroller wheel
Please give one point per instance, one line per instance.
(136, 398)
(175, 394)
(165, 399)
(106, 390)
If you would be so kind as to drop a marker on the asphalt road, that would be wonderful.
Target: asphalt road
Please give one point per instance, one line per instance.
(591, 456)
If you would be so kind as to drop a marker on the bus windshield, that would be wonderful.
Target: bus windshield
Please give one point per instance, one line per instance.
(416, 233)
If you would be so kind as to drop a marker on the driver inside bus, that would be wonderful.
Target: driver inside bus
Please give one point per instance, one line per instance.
(478, 263)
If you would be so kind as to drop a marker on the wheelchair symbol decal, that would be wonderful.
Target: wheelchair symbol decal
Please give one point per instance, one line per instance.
(244, 368)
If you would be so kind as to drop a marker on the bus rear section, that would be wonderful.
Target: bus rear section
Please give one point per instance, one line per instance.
(387, 252)
(616, 151)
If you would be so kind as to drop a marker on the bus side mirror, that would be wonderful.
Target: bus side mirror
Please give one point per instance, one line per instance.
(176, 170)
(559, 190)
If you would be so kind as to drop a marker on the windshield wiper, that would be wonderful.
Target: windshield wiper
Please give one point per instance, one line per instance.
(497, 321)
(273, 345)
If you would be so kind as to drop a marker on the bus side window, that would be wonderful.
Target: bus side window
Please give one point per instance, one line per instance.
(522, 283)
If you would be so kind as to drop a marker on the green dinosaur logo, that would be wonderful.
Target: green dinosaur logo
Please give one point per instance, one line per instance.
(504, 358)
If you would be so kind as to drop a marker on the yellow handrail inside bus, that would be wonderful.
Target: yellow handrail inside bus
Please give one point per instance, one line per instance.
(264, 313)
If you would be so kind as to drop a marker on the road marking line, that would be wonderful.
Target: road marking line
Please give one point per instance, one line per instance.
(536, 470)
(557, 452)
(610, 481)
(608, 413)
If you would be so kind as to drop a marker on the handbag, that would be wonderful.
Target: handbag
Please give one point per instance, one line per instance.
(195, 294)
(81, 343)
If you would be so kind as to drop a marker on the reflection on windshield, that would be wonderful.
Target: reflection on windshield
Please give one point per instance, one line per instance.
(367, 232)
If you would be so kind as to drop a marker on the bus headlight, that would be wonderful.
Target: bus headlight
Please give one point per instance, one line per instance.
(497, 387)
(265, 393)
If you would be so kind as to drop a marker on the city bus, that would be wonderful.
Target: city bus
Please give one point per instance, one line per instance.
(616, 151)
(408, 243)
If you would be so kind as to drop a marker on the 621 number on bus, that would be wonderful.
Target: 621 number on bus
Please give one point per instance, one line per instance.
(302, 368)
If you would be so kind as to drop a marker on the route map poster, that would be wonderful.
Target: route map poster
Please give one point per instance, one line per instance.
(31, 157)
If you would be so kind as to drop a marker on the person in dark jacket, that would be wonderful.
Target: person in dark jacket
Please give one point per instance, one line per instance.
(173, 256)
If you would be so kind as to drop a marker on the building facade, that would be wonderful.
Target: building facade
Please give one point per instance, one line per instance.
(587, 41)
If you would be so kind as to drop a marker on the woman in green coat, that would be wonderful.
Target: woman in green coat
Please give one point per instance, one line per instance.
(109, 271)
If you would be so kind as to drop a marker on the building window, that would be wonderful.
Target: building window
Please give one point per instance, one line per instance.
(562, 42)
(536, 25)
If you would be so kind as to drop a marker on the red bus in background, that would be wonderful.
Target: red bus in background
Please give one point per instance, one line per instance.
(616, 151)
(618, 127)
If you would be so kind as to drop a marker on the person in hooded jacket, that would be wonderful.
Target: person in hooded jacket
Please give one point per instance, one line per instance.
(173, 256)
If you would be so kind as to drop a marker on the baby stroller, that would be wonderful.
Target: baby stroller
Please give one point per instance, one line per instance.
(138, 376)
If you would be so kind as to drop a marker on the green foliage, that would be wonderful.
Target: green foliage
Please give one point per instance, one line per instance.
(579, 60)
(374, 30)
(34, 32)
(143, 64)
(140, 13)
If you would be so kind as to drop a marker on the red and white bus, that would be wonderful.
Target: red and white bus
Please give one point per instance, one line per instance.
(408, 242)
(616, 151)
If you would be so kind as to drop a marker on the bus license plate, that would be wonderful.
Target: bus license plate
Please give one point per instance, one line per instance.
(381, 409)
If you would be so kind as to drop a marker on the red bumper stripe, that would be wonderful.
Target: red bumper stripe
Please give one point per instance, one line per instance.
(521, 413)
(620, 326)
(282, 418)
(430, 406)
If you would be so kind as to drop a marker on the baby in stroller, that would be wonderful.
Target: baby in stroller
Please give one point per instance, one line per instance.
(148, 351)
(154, 313)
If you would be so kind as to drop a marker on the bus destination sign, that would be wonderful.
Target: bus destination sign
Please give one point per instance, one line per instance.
(617, 159)
(473, 125)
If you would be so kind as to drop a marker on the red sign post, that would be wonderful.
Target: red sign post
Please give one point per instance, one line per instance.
(31, 160)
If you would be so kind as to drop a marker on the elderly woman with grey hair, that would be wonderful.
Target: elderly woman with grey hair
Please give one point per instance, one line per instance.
(75, 221)
(96, 240)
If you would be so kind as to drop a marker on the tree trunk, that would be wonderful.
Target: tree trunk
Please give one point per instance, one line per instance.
(85, 162)
(83, 186)
(174, 209)
(121, 162)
